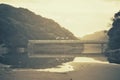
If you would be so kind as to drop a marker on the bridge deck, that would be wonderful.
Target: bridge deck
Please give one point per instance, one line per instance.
(32, 44)
(68, 41)
(70, 55)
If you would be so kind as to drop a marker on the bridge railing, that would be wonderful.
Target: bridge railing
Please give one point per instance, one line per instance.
(61, 47)
(69, 41)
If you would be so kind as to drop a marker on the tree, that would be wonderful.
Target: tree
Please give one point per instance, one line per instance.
(114, 33)
(113, 52)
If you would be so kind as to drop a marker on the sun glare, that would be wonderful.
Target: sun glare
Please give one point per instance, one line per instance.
(87, 59)
(67, 67)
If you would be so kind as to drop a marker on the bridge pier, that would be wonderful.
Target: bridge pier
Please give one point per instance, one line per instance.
(102, 48)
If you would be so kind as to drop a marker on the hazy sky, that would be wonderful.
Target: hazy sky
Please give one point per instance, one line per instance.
(79, 16)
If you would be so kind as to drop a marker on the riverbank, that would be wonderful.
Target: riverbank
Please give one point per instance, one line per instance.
(95, 70)
(86, 71)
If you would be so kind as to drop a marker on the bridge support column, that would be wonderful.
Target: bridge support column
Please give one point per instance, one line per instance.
(102, 48)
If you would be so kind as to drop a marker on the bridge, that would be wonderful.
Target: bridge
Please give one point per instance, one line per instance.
(63, 48)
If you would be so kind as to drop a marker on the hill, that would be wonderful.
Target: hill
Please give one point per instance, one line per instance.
(100, 35)
(18, 25)
(97, 36)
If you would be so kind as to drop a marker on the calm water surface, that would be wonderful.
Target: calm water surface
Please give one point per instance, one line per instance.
(69, 66)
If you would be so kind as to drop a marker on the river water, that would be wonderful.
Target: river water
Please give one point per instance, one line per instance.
(69, 66)
(81, 68)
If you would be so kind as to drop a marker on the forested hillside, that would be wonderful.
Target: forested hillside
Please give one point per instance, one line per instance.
(18, 25)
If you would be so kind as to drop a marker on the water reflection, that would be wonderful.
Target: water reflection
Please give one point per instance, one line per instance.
(67, 67)
(88, 59)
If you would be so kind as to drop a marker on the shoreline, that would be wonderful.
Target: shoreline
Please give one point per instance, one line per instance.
(83, 71)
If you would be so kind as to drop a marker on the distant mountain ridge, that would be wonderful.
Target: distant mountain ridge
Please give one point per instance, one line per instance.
(18, 25)
(99, 35)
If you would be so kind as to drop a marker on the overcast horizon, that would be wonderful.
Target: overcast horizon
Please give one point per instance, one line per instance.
(81, 17)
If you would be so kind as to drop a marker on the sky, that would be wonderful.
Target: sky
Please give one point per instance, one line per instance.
(81, 17)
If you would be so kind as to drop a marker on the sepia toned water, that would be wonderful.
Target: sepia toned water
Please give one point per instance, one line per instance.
(68, 66)
(81, 68)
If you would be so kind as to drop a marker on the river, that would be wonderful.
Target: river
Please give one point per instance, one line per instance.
(69, 66)
(81, 68)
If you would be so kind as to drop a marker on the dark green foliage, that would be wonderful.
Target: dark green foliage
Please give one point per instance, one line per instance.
(18, 25)
(114, 33)
(113, 56)
(113, 52)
